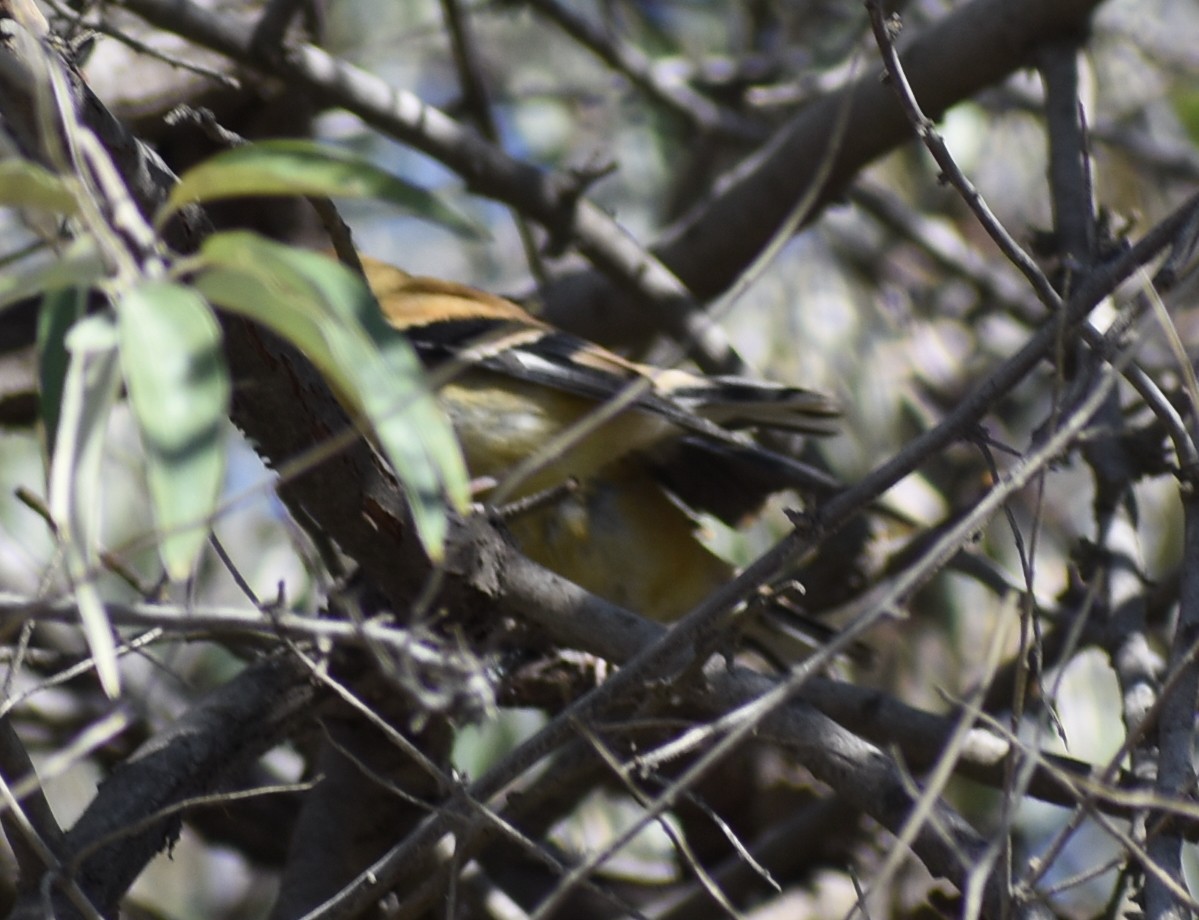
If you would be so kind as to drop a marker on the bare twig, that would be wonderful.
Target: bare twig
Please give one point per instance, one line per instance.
(884, 34)
(674, 96)
(1176, 731)
(477, 101)
(551, 200)
(225, 731)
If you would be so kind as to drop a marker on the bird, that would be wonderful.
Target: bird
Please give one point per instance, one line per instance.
(615, 459)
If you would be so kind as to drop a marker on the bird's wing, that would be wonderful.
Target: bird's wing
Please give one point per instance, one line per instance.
(449, 322)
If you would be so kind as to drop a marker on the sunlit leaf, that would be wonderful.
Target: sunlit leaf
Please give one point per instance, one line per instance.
(90, 390)
(327, 312)
(179, 389)
(79, 265)
(299, 167)
(26, 185)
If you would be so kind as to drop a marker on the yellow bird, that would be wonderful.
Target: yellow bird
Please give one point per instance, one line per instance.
(673, 442)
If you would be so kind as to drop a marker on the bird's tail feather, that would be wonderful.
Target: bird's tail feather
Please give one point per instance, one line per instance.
(732, 480)
(738, 402)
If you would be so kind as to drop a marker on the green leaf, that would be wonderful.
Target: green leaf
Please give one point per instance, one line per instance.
(1186, 106)
(79, 265)
(26, 185)
(299, 167)
(90, 390)
(60, 310)
(327, 312)
(179, 389)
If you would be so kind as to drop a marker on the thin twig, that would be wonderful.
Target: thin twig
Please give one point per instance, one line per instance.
(552, 200)
(884, 35)
(674, 96)
(477, 100)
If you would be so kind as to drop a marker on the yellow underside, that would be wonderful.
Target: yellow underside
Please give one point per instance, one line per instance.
(501, 422)
(621, 537)
(618, 535)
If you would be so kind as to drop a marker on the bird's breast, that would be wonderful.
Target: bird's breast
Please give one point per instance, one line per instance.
(501, 422)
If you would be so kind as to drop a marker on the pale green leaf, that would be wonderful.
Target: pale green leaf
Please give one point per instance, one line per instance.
(300, 167)
(26, 185)
(90, 390)
(327, 312)
(179, 389)
(79, 265)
